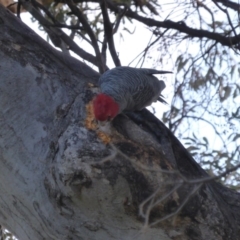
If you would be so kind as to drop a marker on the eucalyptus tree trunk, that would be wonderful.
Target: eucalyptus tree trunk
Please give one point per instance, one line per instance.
(63, 177)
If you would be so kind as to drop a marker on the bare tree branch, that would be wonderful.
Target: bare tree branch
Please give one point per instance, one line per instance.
(230, 4)
(90, 33)
(108, 30)
(39, 5)
(181, 27)
(104, 50)
(60, 34)
(228, 17)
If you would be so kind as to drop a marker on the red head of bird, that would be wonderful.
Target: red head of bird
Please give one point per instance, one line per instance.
(105, 107)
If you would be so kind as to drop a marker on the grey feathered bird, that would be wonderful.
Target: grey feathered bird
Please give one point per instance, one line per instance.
(127, 89)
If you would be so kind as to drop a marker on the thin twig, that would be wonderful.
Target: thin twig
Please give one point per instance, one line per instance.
(141, 206)
(48, 13)
(118, 20)
(180, 183)
(144, 52)
(19, 4)
(192, 193)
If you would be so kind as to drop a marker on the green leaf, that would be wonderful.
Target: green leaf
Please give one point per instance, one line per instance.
(180, 63)
(205, 140)
(192, 148)
(236, 137)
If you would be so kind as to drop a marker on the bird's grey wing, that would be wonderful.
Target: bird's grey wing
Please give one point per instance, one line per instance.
(143, 96)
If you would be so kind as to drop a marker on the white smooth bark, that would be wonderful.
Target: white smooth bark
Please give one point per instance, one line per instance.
(53, 184)
(48, 188)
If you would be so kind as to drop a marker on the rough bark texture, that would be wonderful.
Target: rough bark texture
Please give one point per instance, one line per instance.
(54, 183)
